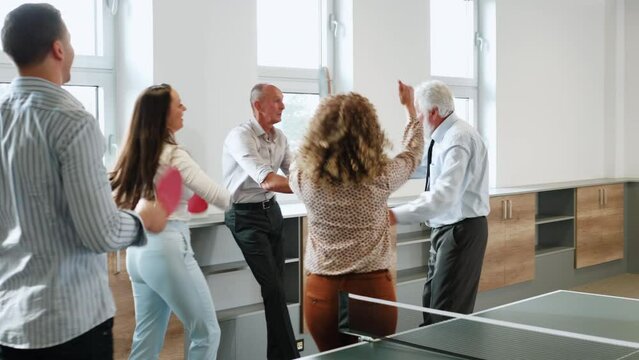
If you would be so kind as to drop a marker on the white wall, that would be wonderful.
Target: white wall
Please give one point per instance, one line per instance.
(205, 50)
(549, 91)
(631, 124)
(390, 43)
(134, 57)
(551, 114)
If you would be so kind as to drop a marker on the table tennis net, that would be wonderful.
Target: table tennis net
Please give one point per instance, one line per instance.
(460, 336)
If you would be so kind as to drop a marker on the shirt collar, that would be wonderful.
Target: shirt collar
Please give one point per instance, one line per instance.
(22, 82)
(43, 86)
(259, 131)
(438, 134)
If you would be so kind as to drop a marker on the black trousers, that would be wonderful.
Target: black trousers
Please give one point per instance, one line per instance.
(95, 344)
(454, 266)
(258, 233)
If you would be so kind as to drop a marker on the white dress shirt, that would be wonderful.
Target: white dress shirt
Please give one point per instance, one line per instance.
(458, 178)
(248, 156)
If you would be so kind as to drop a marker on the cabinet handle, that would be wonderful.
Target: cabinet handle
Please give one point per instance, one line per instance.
(510, 209)
(605, 196)
(600, 196)
(504, 209)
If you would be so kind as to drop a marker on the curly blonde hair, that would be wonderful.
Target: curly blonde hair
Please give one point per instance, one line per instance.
(345, 143)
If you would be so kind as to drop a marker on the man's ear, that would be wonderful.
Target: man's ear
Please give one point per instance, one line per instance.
(57, 50)
(257, 106)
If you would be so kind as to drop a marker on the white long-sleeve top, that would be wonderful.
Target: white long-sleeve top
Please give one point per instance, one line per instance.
(194, 180)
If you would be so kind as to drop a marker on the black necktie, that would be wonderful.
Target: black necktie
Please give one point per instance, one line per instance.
(428, 161)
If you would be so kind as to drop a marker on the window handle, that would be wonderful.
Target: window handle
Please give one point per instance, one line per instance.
(333, 24)
(479, 41)
(112, 5)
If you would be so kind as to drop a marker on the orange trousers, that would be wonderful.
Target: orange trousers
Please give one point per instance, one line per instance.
(321, 306)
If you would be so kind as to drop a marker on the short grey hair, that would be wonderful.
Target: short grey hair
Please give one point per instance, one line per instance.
(257, 90)
(434, 93)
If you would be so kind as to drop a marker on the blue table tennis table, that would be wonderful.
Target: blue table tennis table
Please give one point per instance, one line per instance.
(608, 328)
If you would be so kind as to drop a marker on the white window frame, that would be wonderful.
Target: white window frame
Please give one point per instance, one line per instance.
(305, 81)
(96, 71)
(467, 87)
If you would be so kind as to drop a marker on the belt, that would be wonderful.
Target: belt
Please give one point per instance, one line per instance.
(256, 206)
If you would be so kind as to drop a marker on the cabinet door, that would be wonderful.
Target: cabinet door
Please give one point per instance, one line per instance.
(588, 237)
(492, 271)
(612, 233)
(519, 249)
(599, 225)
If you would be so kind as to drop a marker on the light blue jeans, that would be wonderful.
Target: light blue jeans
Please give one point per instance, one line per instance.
(165, 278)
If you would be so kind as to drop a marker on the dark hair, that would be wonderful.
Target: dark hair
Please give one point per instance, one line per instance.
(29, 31)
(133, 174)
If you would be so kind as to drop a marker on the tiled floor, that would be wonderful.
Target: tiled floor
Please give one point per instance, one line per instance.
(626, 285)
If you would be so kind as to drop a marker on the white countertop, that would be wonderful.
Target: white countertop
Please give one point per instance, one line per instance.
(297, 209)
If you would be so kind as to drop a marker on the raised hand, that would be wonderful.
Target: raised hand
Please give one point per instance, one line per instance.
(407, 98)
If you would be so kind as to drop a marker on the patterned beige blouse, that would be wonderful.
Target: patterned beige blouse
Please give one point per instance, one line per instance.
(349, 230)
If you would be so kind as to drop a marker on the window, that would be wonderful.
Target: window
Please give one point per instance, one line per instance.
(90, 23)
(453, 54)
(293, 53)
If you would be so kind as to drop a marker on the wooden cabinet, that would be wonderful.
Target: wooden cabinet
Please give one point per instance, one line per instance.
(600, 217)
(510, 251)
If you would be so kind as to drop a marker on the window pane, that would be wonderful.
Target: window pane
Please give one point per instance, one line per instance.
(452, 32)
(83, 19)
(89, 96)
(465, 109)
(300, 108)
(288, 33)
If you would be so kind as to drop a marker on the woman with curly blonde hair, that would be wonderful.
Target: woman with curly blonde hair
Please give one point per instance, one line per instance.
(344, 178)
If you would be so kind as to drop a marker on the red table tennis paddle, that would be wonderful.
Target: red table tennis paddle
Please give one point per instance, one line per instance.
(169, 189)
(196, 204)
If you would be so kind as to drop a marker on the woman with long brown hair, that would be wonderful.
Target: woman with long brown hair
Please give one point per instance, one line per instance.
(164, 274)
(345, 178)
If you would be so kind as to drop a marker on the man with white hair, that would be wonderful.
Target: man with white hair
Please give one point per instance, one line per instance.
(454, 204)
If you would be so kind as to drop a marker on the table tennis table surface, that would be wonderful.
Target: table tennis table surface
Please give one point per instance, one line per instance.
(590, 314)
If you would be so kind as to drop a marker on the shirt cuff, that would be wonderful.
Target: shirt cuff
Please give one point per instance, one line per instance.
(402, 214)
(262, 173)
(140, 239)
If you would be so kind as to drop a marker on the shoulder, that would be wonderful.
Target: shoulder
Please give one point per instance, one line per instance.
(241, 131)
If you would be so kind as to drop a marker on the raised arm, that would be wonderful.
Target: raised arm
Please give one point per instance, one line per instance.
(403, 165)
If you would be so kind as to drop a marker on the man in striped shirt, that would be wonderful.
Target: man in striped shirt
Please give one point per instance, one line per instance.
(57, 216)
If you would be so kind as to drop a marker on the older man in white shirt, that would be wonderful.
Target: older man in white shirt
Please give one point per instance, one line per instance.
(253, 153)
(454, 204)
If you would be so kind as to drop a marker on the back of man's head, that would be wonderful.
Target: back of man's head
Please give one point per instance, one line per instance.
(434, 93)
(29, 31)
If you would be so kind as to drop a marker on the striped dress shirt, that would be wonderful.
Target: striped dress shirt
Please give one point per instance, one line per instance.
(57, 218)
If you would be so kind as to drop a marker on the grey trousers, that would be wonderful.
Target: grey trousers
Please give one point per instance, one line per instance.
(454, 267)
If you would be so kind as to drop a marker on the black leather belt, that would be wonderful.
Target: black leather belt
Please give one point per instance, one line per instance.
(256, 206)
